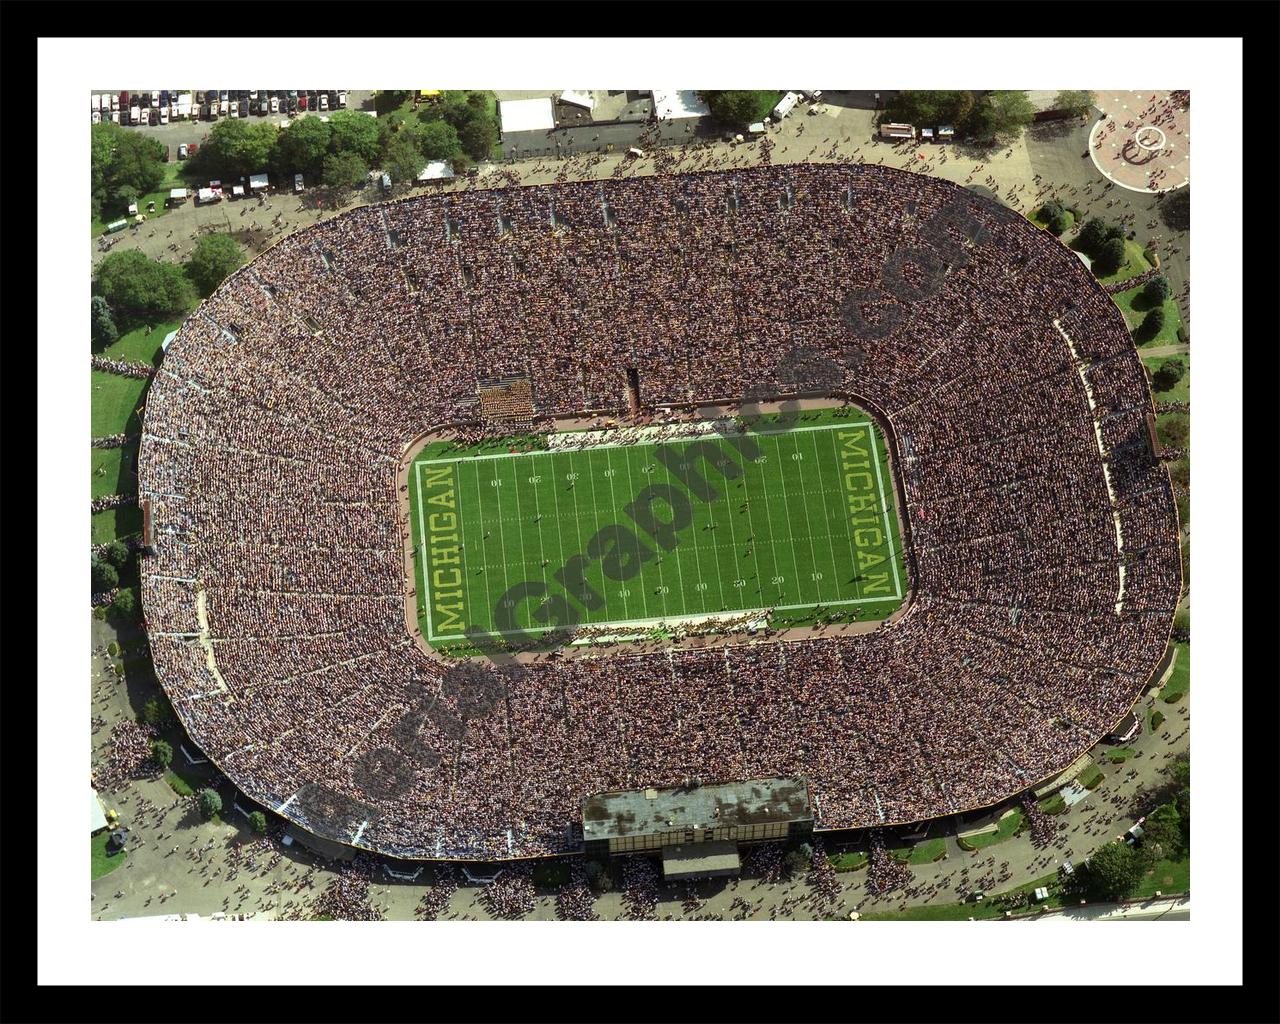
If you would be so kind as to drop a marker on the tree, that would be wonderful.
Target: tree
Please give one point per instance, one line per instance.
(1168, 375)
(927, 107)
(795, 862)
(1001, 116)
(258, 821)
(236, 147)
(344, 170)
(214, 257)
(157, 711)
(1060, 223)
(355, 132)
(140, 289)
(386, 100)
(103, 576)
(123, 165)
(740, 107)
(1077, 101)
(403, 161)
(161, 753)
(478, 137)
(124, 604)
(1155, 291)
(1092, 235)
(117, 553)
(301, 148)
(209, 802)
(1110, 257)
(436, 140)
(1152, 322)
(101, 325)
(1162, 833)
(1113, 872)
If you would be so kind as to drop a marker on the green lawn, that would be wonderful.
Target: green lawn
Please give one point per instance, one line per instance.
(1091, 777)
(116, 523)
(805, 528)
(1180, 392)
(1120, 755)
(850, 861)
(1168, 876)
(1135, 309)
(114, 470)
(172, 179)
(101, 864)
(1055, 803)
(140, 347)
(1169, 425)
(922, 853)
(551, 874)
(1180, 680)
(1008, 827)
(1135, 264)
(1040, 222)
(988, 910)
(114, 402)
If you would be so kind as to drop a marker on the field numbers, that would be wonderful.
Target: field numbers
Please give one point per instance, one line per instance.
(777, 581)
(610, 472)
(535, 479)
(699, 586)
(815, 575)
(739, 583)
(662, 590)
(797, 456)
(571, 476)
(495, 483)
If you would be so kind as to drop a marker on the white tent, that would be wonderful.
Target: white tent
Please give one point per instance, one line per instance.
(578, 98)
(671, 104)
(436, 170)
(97, 819)
(164, 345)
(527, 115)
(257, 181)
(177, 195)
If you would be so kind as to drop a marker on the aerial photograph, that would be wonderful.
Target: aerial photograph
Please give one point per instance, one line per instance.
(639, 504)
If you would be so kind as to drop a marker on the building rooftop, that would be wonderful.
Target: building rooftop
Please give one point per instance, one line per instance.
(642, 811)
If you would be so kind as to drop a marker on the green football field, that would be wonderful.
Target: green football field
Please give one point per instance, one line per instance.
(799, 525)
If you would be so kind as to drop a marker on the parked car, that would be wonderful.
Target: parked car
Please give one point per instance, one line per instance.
(164, 115)
(235, 108)
(119, 102)
(297, 182)
(155, 115)
(182, 150)
(96, 116)
(324, 101)
(115, 117)
(164, 97)
(342, 100)
(293, 104)
(302, 102)
(224, 96)
(155, 97)
(275, 105)
(191, 149)
(134, 114)
(223, 107)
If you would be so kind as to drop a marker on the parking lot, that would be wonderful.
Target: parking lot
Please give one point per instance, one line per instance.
(176, 132)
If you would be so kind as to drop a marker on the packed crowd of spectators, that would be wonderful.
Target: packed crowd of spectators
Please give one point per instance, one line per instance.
(275, 427)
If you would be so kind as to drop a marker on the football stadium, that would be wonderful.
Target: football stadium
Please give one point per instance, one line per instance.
(826, 472)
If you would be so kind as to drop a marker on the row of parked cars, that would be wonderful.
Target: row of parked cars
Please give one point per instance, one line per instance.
(160, 106)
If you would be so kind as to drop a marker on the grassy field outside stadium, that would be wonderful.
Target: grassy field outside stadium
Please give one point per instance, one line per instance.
(806, 531)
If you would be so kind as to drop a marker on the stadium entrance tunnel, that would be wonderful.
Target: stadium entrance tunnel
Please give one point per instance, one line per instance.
(718, 523)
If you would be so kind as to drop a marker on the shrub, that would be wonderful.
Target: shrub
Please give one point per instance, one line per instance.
(102, 325)
(157, 711)
(209, 802)
(113, 649)
(1157, 720)
(1092, 235)
(1152, 323)
(1060, 223)
(1168, 375)
(103, 576)
(258, 821)
(1155, 291)
(117, 553)
(1111, 256)
(124, 605)
(1051, 210)
(161, 753)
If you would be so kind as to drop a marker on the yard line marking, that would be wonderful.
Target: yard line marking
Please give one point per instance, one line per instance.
(786, 505)
(613, 500)
(502, 541)
(684, 600)
(826, 512)
(813, 555)
(626, 457)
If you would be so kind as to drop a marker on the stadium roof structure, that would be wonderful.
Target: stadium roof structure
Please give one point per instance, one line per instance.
(1041, 532)
(530, 115)
(642, 811)
(673, 104)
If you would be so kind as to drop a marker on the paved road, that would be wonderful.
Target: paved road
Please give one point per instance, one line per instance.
(1175, 909)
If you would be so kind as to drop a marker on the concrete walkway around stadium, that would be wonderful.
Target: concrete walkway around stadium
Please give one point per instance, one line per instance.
(155, 881)
(1047, 160)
